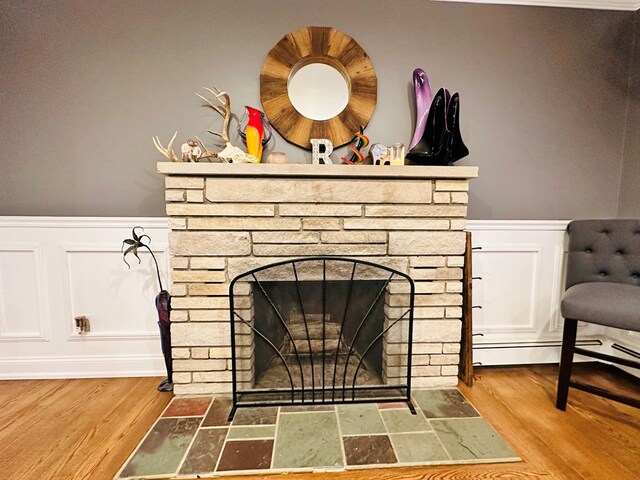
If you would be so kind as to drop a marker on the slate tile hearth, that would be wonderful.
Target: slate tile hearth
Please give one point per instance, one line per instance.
(369, 450)
(205, 451)
(163, 448)
(469, 438)
(360, 419)
(217, 414)
(418, 447)
(256, 416)
(444, 404)
(401, 420)
(193, 439)
(308, 440)
(246, 455)
(188, 407)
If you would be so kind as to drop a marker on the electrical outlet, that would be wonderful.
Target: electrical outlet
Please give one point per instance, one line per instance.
(82, 324)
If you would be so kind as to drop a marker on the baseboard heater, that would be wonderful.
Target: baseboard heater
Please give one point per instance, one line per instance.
(627, 350)
(542, 344)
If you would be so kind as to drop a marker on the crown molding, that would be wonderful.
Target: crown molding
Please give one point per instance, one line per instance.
(629, 5)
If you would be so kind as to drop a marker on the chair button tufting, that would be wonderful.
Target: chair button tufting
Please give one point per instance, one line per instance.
(603, 274)
(619, 252)
(588, 250)
(605, 231)
(635, 275)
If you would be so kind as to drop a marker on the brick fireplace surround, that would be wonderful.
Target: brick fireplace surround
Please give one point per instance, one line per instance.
(227, 219)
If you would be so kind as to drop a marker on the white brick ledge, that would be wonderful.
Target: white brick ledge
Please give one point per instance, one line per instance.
(316, 171)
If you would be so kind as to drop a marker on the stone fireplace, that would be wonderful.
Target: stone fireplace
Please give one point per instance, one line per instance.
(227, 219)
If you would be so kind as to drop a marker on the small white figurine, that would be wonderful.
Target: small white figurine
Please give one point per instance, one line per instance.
(379, 154)
(277, 157)
(191, 151)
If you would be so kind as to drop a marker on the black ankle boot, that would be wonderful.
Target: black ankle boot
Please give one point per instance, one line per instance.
(432, 147)
(456, 149)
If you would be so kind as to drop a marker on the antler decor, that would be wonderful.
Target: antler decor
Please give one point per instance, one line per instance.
(223, 109)
(230, 153)
(167, 152)
(194, 151)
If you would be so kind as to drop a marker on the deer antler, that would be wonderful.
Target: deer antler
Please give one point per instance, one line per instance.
(206, 153)
(167, 152)
(223, 109)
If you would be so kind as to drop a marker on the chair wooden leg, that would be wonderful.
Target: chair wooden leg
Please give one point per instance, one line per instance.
(566, 362)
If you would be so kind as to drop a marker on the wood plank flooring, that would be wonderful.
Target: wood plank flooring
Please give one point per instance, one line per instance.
(73, 429)
(86, 429)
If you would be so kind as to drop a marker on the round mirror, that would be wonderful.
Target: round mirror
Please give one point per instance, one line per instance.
(317, 82)
(318, 91)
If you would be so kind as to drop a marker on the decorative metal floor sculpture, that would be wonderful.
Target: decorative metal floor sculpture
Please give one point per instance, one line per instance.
(163, 303)
(321, 330)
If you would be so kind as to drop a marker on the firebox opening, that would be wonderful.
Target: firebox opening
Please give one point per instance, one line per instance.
(354, 317)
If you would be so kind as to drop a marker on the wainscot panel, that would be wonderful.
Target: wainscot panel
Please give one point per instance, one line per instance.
(55, 268)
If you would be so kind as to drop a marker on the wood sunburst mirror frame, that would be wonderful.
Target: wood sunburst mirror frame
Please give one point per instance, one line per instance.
(318, 45)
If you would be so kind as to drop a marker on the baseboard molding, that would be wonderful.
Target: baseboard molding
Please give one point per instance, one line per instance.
(94, 366)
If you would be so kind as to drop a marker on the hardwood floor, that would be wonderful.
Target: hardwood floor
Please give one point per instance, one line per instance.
(73, 429)
(86, 429)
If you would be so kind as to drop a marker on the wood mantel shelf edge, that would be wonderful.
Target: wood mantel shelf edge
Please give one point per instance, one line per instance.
(307, 170)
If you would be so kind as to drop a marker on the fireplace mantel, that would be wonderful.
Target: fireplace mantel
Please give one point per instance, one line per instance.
(227, 219)
(308, 170)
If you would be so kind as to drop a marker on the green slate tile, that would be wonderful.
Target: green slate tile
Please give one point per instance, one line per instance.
(256, 416)
(471, 438)
(360, 419)
(402, 421)
(162, 450)
(259, 431)
(203, 454)
(445, 403)
(387, 405)
(418, 447)
(308, 440)
(307, 408)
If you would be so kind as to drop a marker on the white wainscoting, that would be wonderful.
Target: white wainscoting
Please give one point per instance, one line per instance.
(53, 269)
(519, 271)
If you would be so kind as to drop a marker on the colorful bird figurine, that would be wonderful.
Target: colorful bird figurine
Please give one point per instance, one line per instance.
(360, 140)
(254, 132)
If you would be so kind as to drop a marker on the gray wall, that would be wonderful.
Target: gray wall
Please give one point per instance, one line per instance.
(630, 179)
(84, 85)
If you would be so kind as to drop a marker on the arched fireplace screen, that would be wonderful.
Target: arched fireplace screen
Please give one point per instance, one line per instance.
(321, 330)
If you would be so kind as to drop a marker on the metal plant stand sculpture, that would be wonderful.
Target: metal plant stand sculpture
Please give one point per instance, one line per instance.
(163, 304)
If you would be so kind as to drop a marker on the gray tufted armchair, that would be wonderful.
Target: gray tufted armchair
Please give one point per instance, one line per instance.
(603, 287)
